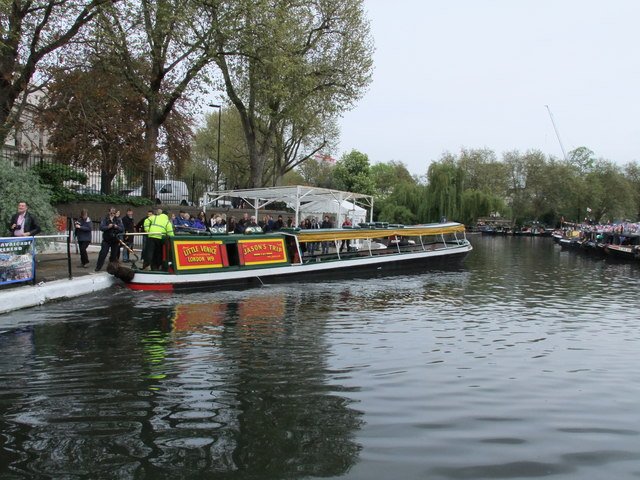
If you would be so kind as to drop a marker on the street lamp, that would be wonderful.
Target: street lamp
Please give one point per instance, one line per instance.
(219, 107)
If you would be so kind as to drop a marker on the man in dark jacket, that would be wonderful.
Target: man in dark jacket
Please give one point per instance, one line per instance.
(129, 227)
(23, 224)
(111, 227)
(84, 226)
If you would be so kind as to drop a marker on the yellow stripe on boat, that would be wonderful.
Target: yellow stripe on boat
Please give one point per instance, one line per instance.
(319, 235)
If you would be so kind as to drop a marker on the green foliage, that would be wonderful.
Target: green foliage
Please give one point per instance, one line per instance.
(444, 192)
(352, 173)
(394, 213)
(612, 196)
(475, 204)
(317, 173)
(583, 159)
(54, 175)
(387, 176)
(18, 185)
(290, 68)
(111, 199)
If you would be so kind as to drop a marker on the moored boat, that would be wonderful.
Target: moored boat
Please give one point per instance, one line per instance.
(623, 246)
(240, 260)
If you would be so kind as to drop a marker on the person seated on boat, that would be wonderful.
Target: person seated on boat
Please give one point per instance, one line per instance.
(326, 223)
(346, 243)
(197, 224)
(216, 222)
(267, 224)
(396, 241)
(232, 224)
(279, 223)
(243, 221)
(251, 226)
(182, 220)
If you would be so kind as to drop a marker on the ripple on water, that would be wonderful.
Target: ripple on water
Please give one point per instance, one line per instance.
(522, 364)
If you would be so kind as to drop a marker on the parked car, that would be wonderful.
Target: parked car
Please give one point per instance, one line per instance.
(84, 190)
(167, 192)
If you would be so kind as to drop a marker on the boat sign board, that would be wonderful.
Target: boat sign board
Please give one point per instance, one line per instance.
(199, 254)
(266, 251)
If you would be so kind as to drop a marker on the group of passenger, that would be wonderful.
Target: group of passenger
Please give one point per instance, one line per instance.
(312, 223)
(116, 232)
(200, 223)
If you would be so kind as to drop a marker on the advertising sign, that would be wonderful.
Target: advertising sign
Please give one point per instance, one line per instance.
(262, 252)
(199, 254)
(17, 260)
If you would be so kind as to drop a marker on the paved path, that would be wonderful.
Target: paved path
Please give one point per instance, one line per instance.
(53, 282)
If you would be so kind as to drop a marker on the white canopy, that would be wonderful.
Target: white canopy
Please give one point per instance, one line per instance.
(340, 210)
(298, 197)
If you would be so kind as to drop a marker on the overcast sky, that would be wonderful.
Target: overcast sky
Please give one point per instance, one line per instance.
(452, 74)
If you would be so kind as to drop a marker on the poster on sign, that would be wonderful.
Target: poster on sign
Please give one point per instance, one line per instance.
(199, 254)
(262, 252)
(17, 260)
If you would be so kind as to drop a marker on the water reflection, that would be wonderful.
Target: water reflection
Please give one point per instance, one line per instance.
(216, 387)
(520, 364)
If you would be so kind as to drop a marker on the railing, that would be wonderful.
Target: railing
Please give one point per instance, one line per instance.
(125, 182)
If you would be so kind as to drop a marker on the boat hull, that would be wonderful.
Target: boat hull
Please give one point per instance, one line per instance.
(361, 266)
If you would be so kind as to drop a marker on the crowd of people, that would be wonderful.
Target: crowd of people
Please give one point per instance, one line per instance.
(117, 231)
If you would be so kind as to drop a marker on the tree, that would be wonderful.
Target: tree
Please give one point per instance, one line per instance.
(583, 159)
(317, 172)
(297, 141)
(482, 171)
(611, 194)
(31, 31)
(445, 182)
(475, 204)
(632, 173)
(387, 176)
(352, 173)
(96, 122)
(234, 159)
(162, 47)
(281, 59)
(402, 204)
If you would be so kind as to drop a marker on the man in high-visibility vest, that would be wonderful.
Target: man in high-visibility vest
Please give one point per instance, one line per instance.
(159, 227)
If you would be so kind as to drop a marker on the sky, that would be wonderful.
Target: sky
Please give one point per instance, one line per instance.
(454, 74)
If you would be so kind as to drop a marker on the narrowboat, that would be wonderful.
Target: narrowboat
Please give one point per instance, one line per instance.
(219, 260)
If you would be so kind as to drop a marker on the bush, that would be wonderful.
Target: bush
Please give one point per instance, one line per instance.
(54, 175)
(71, 197)
(18, 185)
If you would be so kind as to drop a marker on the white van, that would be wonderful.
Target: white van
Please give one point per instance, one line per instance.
(168, 192)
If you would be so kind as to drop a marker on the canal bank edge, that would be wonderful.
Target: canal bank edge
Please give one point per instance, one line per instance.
(33, 295)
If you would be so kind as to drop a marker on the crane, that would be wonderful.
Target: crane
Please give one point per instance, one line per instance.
(564, 153)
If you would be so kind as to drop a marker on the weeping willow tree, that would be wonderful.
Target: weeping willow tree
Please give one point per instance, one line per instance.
(445, 185)
(476, 204)
(402, 204)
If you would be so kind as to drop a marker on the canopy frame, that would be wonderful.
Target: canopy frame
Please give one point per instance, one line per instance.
(294, 196)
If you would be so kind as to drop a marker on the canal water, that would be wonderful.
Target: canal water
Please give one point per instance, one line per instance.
(522, 363)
